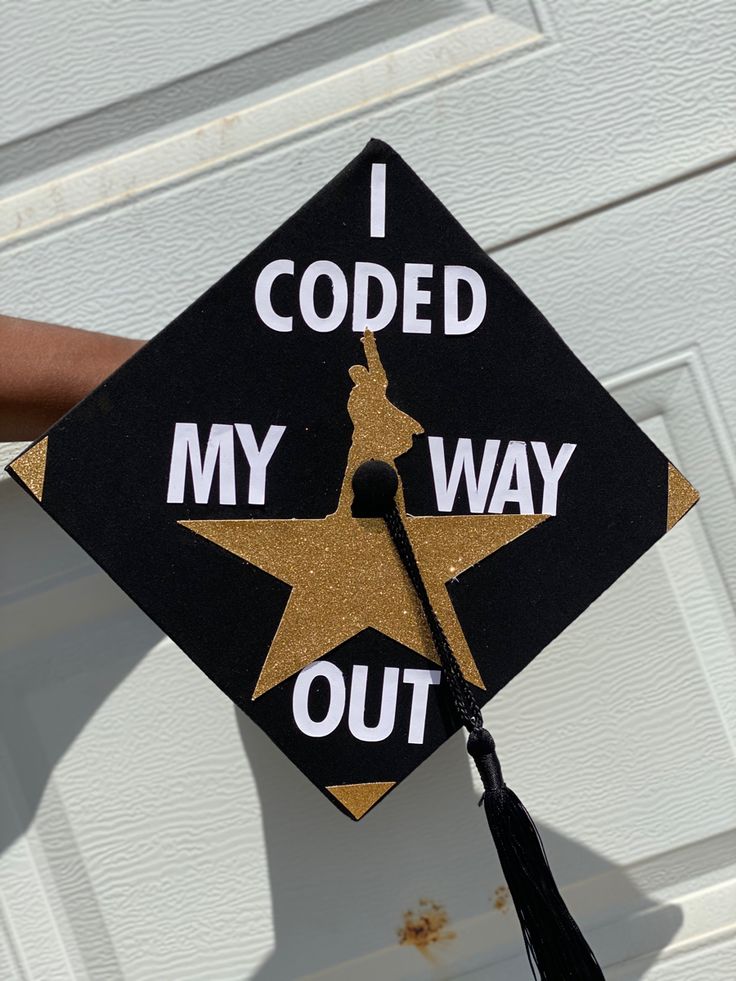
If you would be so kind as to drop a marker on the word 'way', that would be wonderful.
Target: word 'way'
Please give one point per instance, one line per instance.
(502, 477)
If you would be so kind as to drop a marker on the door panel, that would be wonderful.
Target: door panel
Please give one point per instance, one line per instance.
(587, 147)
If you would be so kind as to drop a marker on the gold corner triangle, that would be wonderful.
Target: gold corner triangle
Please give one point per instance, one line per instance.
(359, 798)
(30, 467)
(681, 496)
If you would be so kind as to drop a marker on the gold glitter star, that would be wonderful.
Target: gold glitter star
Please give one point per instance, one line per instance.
(345, 572)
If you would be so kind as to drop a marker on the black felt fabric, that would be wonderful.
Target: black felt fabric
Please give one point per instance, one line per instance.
(512, 378)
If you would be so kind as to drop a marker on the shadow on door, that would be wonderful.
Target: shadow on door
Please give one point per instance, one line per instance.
(339, 890)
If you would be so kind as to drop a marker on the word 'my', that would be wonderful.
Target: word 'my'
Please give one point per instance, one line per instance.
(186, 458)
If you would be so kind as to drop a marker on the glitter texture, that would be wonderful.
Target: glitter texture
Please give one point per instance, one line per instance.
(359, 798)
(345, 572)
(681, 496)
(31, 467)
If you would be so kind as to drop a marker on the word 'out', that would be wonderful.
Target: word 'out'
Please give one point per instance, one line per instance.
(420, 680)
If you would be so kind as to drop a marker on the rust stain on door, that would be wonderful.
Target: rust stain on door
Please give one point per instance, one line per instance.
(426, 927)
(501, 899)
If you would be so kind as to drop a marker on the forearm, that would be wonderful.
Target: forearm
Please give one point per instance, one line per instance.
(45, 369)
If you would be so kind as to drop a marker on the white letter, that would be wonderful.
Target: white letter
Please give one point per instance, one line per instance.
(420, 679)
(264, 284)
(364, 272)
(446, 489)
(551, 473)
(453, 275)
(300, 699)
(378, 201)
(413, 272)
(258, 459)
(356, 712)
(515, 463)
(323, 267)
(186, 445)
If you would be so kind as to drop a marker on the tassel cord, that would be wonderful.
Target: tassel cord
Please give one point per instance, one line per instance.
(555, 947)
(463, 700)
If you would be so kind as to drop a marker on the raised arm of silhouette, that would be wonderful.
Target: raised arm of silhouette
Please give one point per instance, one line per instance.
(380, 430)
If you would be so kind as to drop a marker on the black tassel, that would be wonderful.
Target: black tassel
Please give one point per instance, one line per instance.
(555, 946)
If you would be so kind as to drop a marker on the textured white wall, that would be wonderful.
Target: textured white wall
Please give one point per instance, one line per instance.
(147, 147)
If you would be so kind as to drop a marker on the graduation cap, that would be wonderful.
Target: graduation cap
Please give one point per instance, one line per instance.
(362, 483)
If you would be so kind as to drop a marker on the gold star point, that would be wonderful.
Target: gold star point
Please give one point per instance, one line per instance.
(345, 573)
(346, 576)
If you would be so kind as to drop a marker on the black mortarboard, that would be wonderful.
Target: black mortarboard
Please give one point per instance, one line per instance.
(361, 611)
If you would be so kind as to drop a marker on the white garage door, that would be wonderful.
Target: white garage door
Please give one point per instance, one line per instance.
(588, 146)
